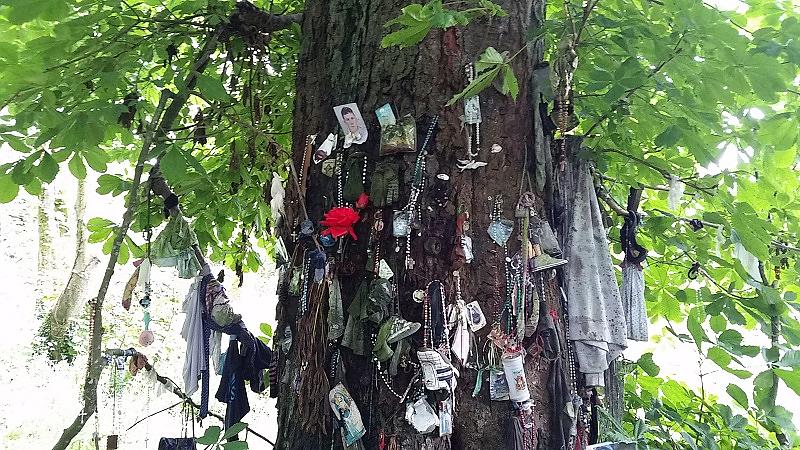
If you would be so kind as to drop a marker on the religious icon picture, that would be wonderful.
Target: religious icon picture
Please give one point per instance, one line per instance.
(355, 131)
(346, 412)
(385, 115)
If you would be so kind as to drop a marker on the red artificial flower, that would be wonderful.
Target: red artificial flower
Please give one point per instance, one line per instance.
(363, 201)
(340, 222)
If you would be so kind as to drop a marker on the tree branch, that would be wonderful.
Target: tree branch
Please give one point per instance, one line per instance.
(676, 50)
(95, 363)
(173, 388)
(156, 132)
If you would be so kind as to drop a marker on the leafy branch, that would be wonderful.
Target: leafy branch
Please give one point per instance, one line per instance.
(628, 93)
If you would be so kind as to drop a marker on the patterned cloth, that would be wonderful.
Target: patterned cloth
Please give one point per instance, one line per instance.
(596, 318)
(633, 302)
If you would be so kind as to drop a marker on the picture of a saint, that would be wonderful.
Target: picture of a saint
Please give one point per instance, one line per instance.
(355, 131)
(346, 412)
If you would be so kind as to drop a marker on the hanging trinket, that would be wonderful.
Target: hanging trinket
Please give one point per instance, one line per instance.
(339, 172)
(472, 118)
(146, 337)
(440, 191)
(498, 384)
(326, 148)
(396, 136)
(446, 417)
(339, 222)
(277, 197)
(475, 317)
(421, 416)
(513, 367)
(458, 324)
(385, 186)
(346, 412)
(401, 224)
(500, 228)
(356, 173)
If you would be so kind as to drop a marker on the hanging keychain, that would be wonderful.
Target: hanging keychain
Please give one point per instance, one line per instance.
(146, 337)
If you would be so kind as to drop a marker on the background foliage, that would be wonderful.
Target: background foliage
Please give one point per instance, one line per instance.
(665, 90)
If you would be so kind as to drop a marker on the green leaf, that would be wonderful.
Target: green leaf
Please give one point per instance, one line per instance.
(695, 327)
(8, 189)
(234, 430)
(173, 164)
(34, 187)
(108, 245)
(98, 223)
(718, 323)
(510, 85)
(668, 137)
(235, 445)
(96, 158)
(477, 85)
(407, 36)
(47, 168)
(266, 329)
(211, 436)
(211, 88)
(22, 173)
(790, 377)
(17, 143)
(780, 130)
(720, 357)
(76, 166)
(738, 395)
(648, 365)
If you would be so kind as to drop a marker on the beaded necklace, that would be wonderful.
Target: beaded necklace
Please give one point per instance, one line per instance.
(306, 277)
(417, 186)
(339, 179)
(571, 366)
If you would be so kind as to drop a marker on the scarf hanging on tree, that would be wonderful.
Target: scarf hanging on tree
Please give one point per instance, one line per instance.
(596, 318)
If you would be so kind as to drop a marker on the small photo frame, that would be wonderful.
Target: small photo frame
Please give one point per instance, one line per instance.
(352, 123)
(400, 137)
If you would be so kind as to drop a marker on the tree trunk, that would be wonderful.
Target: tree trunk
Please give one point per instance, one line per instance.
(46, 259)
(57, 322)
(341, 62)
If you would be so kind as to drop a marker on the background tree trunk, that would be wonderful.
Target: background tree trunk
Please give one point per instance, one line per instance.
(341, 62)
(57, 321)
(47, 257)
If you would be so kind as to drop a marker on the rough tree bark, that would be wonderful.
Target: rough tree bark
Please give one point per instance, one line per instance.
(57, 321)
(341, 62)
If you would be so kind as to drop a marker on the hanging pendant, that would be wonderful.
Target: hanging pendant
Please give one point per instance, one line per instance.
(500, 231)
(146, 337)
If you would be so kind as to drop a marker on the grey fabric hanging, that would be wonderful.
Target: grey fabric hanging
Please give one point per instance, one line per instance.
(632, 291)
(335, 311)
(596, 316)
(513, 435)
